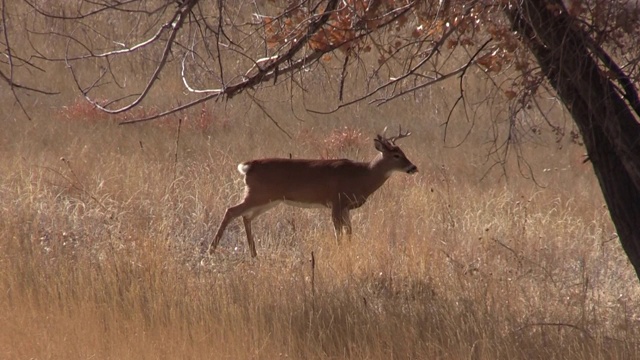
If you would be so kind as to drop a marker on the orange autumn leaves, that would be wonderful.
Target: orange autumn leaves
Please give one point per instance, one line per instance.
(345, 24)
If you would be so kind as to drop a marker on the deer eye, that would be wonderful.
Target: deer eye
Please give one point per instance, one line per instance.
(396, 156)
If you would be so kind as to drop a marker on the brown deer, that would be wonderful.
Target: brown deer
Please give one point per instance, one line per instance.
(339, 184)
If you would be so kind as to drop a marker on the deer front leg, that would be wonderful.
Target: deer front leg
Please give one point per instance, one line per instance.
(347, 222)
(245, 207)
(341, 219)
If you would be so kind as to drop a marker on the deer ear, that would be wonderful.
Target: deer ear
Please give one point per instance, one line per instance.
(380, 146)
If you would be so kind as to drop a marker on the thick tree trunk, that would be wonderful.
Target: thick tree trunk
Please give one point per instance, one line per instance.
(607, 123)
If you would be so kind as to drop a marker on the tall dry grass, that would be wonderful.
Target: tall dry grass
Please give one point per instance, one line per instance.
(101, 228)
(101, 225)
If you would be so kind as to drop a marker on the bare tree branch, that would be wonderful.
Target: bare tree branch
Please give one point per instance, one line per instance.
(175, 25)
(119, 6)
(412, 71)
(9, 79)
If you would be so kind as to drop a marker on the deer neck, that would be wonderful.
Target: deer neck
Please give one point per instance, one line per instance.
(380, 172)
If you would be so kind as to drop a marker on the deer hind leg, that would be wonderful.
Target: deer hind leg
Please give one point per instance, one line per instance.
(231, 213)
(249, 210)
(250, 215)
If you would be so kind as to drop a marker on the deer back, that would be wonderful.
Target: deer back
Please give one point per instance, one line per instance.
(311, 181)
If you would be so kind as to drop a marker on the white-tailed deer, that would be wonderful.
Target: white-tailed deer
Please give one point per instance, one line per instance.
(339, 184)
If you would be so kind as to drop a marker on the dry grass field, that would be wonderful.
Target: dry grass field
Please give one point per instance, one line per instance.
(100, 256)
(100, 227)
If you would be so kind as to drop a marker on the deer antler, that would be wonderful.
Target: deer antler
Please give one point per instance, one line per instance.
(392, 140)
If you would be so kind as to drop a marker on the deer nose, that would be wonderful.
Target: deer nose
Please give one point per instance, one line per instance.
(412, 169)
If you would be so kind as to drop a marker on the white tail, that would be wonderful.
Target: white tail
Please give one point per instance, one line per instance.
(243, 168)
(340, 184)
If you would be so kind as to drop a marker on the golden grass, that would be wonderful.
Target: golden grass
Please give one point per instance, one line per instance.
(100, 254)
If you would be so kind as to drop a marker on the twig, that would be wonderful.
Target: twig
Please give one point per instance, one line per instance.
(313, 282)
(266, 113)
(175, 155)
(74, 182)
(543, 324)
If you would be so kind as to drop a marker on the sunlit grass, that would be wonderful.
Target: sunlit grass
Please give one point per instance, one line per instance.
(101, 258)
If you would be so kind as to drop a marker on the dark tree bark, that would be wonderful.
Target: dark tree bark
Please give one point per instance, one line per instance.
(569, 59)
